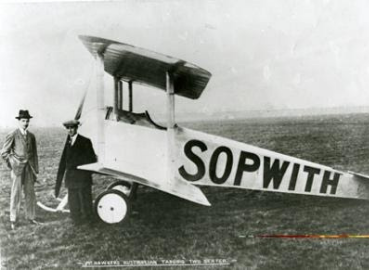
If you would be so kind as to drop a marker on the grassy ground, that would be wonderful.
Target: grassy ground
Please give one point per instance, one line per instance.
(164, 227)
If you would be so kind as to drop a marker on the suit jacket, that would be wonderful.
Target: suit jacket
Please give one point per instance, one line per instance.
(19, 150)
(80, 153)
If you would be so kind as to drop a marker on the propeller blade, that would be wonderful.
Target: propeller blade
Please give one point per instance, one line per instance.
(80, 107)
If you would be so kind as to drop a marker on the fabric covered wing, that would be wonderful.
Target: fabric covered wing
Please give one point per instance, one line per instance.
(129, 63)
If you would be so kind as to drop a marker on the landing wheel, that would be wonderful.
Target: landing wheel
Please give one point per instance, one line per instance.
(128, 188)
(112, 206)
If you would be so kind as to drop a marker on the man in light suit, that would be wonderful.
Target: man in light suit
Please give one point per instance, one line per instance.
(20, 153)
(77, 151)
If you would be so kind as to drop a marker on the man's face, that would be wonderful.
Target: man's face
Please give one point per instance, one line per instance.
(72, 130)
(24, 123)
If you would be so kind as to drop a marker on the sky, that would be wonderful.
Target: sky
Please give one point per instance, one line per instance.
(263, 54)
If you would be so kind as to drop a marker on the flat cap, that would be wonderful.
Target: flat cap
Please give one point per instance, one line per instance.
(71, 123)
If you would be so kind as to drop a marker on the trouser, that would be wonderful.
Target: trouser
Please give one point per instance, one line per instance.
(80, 203)
(27, 180)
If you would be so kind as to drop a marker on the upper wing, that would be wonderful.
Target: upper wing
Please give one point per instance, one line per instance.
(129, 63)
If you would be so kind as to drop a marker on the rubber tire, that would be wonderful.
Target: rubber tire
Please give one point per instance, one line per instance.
(132, 194)
(121, 196)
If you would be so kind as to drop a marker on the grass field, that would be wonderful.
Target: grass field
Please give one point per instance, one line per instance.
(163, 227)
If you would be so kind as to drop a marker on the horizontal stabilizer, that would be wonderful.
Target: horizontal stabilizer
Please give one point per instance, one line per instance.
(359, 175)
(176, 187)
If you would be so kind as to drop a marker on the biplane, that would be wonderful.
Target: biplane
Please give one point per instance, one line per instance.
(134, 149)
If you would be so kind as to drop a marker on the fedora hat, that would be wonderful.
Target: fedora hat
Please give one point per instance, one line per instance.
(23, 114)
(71, 123)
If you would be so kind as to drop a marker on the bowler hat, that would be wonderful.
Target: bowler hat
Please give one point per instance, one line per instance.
(71, 123)
(23, 114)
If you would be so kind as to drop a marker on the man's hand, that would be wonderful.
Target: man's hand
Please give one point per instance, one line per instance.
(8, 164)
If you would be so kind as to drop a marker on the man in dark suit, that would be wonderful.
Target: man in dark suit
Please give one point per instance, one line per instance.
(77, 151)
(20, 153)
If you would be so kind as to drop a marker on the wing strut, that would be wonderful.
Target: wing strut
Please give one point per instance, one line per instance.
(99, 74)
(170, 126)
